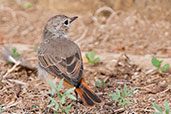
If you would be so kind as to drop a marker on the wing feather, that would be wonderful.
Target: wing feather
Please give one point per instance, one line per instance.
(62, 63)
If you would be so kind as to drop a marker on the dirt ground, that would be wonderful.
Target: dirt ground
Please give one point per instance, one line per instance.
(125, 42)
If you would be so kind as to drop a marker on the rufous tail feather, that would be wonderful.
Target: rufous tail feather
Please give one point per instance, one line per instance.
(87, 95)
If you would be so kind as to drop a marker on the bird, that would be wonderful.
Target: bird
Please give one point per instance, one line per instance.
(60, 58)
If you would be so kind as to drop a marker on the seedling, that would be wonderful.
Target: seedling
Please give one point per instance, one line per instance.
(157, 63)
(91, 58)
(1, 110)
(28, 5)
(121, 96)
(36, 48)
(159, 109)
(15, 53)
(9, 63)
(59, 106)
(101, 84)
(35, 106)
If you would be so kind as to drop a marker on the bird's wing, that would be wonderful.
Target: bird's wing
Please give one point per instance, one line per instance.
(61, 57)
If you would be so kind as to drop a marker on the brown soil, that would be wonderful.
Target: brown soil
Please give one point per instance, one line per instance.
(125, 42)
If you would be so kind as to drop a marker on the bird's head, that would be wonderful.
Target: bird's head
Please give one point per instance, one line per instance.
(59, 23)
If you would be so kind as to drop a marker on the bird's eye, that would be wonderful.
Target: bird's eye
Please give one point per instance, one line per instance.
(66, 22)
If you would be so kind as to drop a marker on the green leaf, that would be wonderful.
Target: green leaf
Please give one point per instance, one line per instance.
(15, 53)
(167, 108)
(53, 100)
(102, 83)
(28, 5)
(36, 48)
(67, 108)
(121, 103)
(90, 61)
(128, 101)
(14, 50)
(18, 55)
(108, 83)
(118, 92)
(165, 67)
(87, 57)
(130, 91)
(114, 96)
(157, 107)
(125, 88)
(98, 83)
(123, 94)
(51, 85)
(56, 107)
(156, 62)
(71, 97)
(63, 99)
(34, 106)
(96, 60)
(1, 109)
(9, 63)
(50, 105)
(91, 55)
(70, 91)
(60, 84)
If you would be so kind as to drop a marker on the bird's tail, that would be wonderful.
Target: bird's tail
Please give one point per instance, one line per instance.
(87, 95)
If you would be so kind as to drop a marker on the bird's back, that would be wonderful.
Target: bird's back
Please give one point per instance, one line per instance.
(61, 57)
(60, 47)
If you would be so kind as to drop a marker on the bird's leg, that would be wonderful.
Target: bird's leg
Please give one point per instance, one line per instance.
(76, 107)
(76, 97)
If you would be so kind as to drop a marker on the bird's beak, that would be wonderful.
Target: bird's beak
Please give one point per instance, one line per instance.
(73, 18)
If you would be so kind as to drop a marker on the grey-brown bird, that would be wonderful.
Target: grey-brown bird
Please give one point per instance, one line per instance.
(59, 57)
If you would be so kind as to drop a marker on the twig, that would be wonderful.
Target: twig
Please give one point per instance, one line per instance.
(13, 103)
(18, 82)
(119, 110)
(150, 71)
(10, 70)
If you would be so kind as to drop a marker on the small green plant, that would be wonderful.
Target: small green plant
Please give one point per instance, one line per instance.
(36, 48)
(121, 96)
(91, 57)
(160, 111)
(15, 53)
(101, 84)
(59, 106)
(28, 5)
(34, 106)
(9, 63)
(157, 63)
(1, 110)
